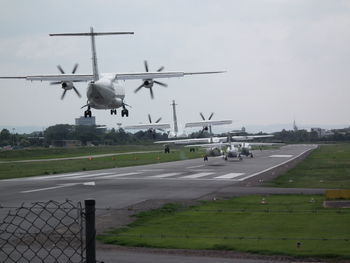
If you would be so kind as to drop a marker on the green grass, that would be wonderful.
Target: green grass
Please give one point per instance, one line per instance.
(48, 153)
(244, 224)
(16, 170)
(326, 167)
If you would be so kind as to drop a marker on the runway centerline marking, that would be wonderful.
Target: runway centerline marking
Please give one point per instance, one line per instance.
(150, 170)
(118, 175)
(196, 166)
(281, 156)
(198, 175)
(164, 175)
(229, 176)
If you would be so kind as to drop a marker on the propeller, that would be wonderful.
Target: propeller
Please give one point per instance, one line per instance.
(205, 128)
(148, 83)
(150, 119)
(66, 85)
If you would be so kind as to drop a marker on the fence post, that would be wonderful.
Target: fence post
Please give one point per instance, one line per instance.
(90, 231)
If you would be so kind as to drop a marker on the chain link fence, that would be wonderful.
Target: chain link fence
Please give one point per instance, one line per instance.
(43, 232)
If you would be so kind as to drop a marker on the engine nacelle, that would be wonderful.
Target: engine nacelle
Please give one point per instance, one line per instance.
(148, 83)
(67, 85)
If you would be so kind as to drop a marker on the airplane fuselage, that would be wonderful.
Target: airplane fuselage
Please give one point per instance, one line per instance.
(105, 94)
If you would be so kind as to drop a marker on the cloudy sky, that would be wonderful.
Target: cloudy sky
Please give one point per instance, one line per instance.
(285, 60)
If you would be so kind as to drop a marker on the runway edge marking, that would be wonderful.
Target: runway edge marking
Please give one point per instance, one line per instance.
(275, 166)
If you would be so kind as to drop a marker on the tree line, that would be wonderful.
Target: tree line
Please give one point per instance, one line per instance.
(97, 136)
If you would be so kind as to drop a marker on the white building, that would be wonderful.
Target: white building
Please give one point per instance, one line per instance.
(85, 121)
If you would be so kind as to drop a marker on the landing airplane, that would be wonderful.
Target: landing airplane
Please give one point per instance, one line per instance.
(103, 90)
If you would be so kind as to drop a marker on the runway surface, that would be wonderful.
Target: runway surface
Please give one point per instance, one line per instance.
(123, 187)
(120, 187)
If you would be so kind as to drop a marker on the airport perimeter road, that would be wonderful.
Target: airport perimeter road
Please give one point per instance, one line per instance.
(122, 187)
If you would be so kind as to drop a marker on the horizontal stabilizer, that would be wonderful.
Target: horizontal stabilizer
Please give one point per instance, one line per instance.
(148, 126)
(207, 123)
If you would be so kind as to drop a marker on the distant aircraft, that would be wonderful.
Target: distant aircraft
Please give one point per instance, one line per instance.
(228, 149)
(152, 126)
(103, 90)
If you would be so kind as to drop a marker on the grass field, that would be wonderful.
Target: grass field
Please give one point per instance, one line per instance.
(326, 167)
(244, 224)
(48, 153)
(16, 170)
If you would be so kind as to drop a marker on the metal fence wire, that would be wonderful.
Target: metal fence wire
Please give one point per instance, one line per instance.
(43, 232)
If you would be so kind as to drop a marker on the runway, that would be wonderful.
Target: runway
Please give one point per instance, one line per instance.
(123, 187)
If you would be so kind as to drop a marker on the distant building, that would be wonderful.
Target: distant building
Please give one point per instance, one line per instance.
(85, 121)
(322, 132)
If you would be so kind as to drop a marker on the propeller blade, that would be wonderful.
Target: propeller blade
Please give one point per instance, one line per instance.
(63, 94)
(202, 116)
(151, 91)
(160, 69)
(211, 115)
(75, 68)
(77, 92)
(159, 120)
(149, 118)
(146, 65)
(60, 69)
(160, 83)
(136, 90)
(55, 83)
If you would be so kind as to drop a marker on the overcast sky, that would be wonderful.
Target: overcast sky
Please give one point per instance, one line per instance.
(285, 60)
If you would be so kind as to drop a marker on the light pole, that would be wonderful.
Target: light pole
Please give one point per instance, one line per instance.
(13, 136)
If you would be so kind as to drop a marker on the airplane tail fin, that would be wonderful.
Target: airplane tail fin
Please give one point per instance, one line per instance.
(92, 34)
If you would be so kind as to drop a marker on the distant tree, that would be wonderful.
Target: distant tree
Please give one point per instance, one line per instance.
(5, 137)
(59, 132)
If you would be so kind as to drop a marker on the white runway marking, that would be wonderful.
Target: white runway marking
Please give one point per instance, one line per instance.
(57, 186)
(281, 155)
(196, 166)
(47, 188)
(164, 175)
(195, 175)
(118, 175)
(150, 170)
(229, 176)
(54, 176)
(87, 175)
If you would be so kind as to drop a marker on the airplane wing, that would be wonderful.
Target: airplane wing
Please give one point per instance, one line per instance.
(55, 77)
(148, 126)
(158, 75)
(250, 137)
(208, 145)
(117, 76)
(195, 140)
(185, 141)
(255, 143)
(207, 123)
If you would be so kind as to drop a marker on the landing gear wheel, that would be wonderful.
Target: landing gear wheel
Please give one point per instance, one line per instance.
(251, 155)
(125, 113)
(114, 111)
(87, 113)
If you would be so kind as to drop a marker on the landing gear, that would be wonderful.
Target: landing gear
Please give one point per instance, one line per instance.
(87, 113)
(192, 149)
(251, 155)
(114, 111)
(125, 113)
